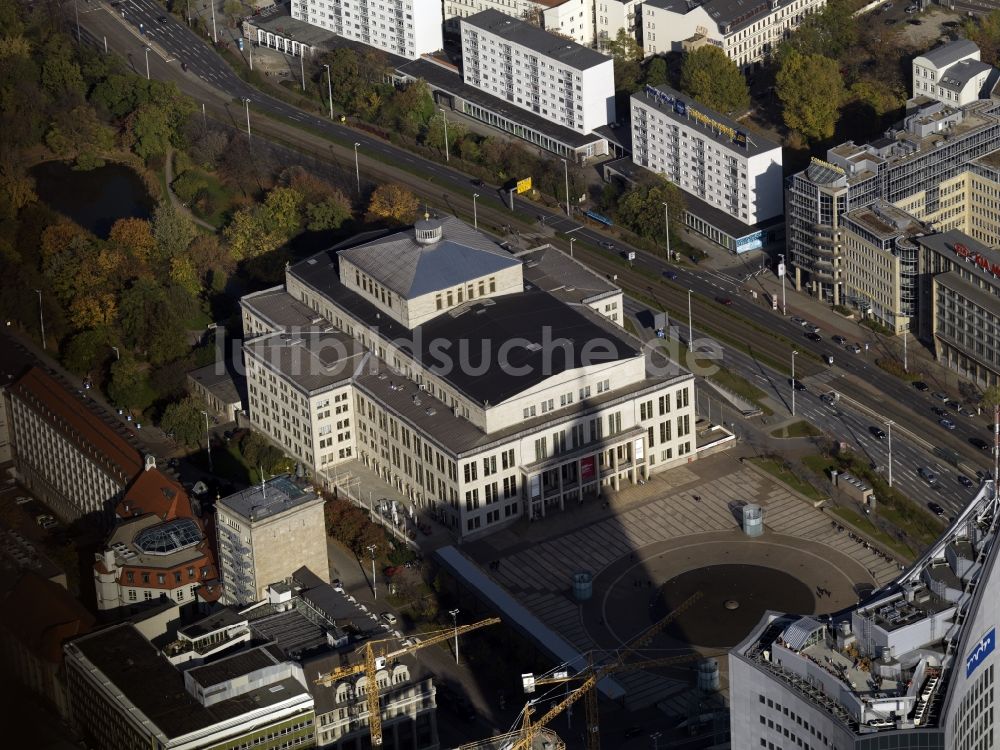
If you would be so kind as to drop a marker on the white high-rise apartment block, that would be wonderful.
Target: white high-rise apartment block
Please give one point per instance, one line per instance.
(569, 84)
(746, 32)
(408, 28)
(707, 154)
(479, 397)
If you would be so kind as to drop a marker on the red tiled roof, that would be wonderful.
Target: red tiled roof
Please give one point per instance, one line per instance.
(155, 492)
(60, 408)
(43, 615)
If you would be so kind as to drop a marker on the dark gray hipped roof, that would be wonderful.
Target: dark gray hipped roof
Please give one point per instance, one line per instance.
(520, 32)
(410, 269)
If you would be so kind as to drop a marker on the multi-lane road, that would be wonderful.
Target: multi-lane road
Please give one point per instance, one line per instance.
(132, 25)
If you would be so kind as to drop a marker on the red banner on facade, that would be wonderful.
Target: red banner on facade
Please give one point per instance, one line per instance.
(588, 467)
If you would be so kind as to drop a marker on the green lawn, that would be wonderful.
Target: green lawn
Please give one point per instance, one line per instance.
(872, 531)
(741, 387)
(796, 430)
(822, 465)
(771, 466)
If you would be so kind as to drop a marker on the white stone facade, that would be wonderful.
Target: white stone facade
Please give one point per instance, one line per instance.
(408, 28)
(747, 35)
(952, 73)
(569, 84)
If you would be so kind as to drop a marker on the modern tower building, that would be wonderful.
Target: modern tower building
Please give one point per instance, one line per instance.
(913, 665)
(932, 167)
(266, 532)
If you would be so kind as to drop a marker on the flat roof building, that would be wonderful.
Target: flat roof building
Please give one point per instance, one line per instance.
(265, 532)
(913, 665)
(408, 28)
(505, 399)
(563, 81)
(125, 695)
(707, 155)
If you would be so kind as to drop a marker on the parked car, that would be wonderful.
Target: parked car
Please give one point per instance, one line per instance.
(48, 523)
(940, 396)
(927, 475)
(839, 340)
(947, 424)
(828, 358)
(724, 301)
(877, 432)
(952, 404)
(977, 442)
(813, 336)
(389, 618)
(813, 328)
(797, 384)
(921, 386)
(939, 411)
(800, 321)
(337, 585)
(22, 500)
(936, 509)
(964, 480)
(854, 349)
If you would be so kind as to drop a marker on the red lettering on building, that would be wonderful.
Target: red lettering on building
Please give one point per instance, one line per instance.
(982, 262)
(961, 250)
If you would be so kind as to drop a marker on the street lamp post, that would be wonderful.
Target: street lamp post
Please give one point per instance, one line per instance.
(690, 323)
(371, 550)
(571, 241)
(794, 352)
(444, 118)
(41, 316)
(118, 355)
(329, 88)
(246, 103)
(475, 215)
(666, 225)
(208, 441)
(905, 366)
(781, 273)
(250, 52)
(889, 423)
(454, 618)
(357, 169)
(302, 65)
(215, 36)
(566, 176)
(146, 50)
(76, 10)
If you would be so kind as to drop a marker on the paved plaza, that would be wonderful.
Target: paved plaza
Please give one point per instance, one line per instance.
(646, 536)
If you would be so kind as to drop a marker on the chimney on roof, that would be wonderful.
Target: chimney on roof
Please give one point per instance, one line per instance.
(150, 462)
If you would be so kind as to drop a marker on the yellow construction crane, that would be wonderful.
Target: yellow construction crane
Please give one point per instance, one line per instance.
(376, 654)
(591, 675)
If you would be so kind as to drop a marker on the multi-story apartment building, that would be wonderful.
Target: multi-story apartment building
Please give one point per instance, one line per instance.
(959, 310)
(511, 59)
(125, 695)
(710, 157)
(911, 666)
(880, 263)
(952, 73)
(157, 549)
(64, 453)
(591, 23)
(747, 32)
(408, 28)
(266, 532)
(483, 400)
